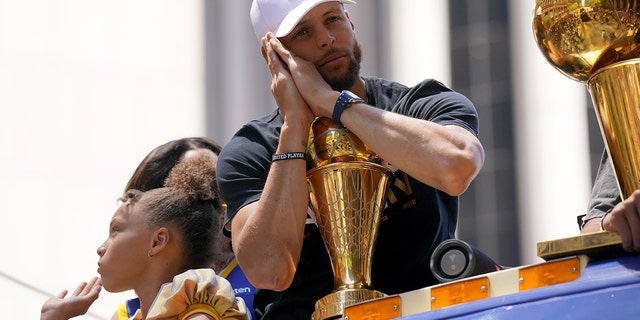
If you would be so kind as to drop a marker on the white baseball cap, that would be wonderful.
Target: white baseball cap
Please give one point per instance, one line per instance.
(281, 16)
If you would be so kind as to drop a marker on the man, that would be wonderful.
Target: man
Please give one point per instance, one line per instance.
(428, 135)
(607, 211)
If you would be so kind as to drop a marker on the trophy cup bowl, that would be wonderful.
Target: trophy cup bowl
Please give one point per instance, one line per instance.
(347, 191)
(578, 37)
(329, 143)
(597, 42)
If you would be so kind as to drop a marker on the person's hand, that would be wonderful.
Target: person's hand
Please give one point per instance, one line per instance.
(624, 219)
(310, 84)
(284, 89)
(77, 304)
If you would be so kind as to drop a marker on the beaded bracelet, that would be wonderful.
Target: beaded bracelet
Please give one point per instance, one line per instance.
(288, 156)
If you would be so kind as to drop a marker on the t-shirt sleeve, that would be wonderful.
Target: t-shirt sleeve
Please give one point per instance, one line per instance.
(605, 194)
(242, 169)
(431, 100)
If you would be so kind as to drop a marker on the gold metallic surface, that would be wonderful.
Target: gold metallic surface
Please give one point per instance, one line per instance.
(347, 192)
(598, 42)
(334, 304)
(348, 199)
(578, 37)
(329, 143)
(592, 244)
(615, 91)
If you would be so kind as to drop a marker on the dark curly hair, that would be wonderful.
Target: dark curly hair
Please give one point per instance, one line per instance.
(188, 202)
(155, 167)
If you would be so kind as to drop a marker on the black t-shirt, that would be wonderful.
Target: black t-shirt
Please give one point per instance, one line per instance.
(416, 219)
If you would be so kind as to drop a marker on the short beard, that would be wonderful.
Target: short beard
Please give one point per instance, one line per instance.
(349, 78)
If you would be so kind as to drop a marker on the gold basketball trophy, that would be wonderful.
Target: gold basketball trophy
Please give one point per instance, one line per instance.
(596, 42)
(347, 188)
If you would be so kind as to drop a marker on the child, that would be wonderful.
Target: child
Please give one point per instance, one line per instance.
(150, 174)
(161, 244)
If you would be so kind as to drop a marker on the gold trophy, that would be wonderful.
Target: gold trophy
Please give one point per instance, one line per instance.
(596, 42)
(347, 189)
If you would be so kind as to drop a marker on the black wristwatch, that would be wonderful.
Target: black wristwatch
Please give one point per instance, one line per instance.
(345, 100)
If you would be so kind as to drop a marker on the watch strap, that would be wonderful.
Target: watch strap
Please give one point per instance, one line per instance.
(345, 100)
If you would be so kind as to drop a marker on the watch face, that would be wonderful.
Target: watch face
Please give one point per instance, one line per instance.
(353, 98)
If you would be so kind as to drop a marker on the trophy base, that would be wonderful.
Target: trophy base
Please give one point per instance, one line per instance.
(598, 246)
(332, 305)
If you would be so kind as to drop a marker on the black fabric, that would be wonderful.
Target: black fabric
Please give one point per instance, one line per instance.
(417, 217)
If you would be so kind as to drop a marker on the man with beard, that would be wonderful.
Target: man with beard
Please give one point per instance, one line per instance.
(427, 135)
